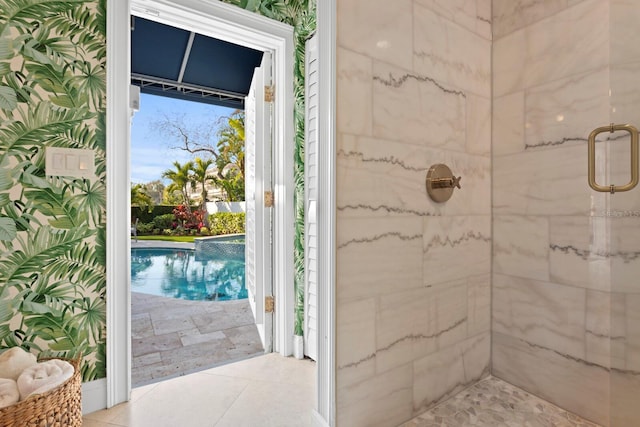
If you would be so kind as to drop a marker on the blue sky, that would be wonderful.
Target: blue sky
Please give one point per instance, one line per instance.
(150, 151)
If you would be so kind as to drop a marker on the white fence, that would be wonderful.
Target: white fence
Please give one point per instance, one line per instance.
(215, 207)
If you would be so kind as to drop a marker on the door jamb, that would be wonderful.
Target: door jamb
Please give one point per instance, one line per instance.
(325, 414)
(118, 297)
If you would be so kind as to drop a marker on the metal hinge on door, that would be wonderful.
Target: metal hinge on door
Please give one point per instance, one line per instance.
(268, 199)
(269, 304)
(269, 93)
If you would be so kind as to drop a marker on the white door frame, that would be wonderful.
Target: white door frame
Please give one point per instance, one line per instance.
(227, 23)
(118, 384)
(325, 414)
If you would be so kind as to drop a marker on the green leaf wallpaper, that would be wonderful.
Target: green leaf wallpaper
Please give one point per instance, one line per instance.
(52, 229)
(52, 246)
(301, 15)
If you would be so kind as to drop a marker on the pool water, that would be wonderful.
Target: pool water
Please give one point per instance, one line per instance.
(180, 273)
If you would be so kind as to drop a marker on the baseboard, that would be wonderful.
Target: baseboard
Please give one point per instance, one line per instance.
(94, 396)
(317, 420)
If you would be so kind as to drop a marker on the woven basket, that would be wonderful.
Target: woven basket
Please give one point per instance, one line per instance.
(60, 407)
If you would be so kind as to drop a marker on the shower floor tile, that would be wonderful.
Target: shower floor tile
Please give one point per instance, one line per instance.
(495, 403)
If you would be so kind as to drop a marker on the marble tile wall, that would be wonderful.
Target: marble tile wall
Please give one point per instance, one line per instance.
(512, 15)
(566, 259)
(417, 86)
(413, 276)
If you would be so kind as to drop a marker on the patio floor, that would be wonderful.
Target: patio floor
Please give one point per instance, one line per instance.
(172, 337)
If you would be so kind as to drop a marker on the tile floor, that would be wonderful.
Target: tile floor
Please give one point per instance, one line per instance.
(271, 390)
(268, 390)
(495, 403)
(172, 337)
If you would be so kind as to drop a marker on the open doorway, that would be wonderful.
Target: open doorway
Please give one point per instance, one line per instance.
(230, 24)
(217, 19)
(235, 23)
(224, 318)
(189, 302)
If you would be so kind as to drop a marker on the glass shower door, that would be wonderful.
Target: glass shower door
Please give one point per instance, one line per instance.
(624, 219)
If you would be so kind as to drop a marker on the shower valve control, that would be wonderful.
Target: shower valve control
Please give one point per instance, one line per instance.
(446, 182)
(441, 182)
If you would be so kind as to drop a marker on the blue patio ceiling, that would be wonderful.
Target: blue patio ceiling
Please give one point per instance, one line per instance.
(169, 61)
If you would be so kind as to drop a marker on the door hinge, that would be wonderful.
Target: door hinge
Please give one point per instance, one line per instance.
(268, 199)
(269, 304)
(269, 93)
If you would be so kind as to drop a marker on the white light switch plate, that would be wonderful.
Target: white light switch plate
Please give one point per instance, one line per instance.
(71, 162)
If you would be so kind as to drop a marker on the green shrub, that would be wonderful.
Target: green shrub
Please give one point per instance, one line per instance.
(204, 231)
(164, 221)
(145, 228)
(226, 223)
(167, 232)
(145, 215)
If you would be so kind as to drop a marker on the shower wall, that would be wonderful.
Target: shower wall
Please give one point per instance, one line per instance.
(566, 261)
(413, 276)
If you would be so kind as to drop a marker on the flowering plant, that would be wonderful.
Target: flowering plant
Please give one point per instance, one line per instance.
(188, 218)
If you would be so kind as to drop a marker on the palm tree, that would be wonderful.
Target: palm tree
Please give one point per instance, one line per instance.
(230, 159)
(231, 145)
(201, 177)
(139, 197)
(232, 184)
(181, 178)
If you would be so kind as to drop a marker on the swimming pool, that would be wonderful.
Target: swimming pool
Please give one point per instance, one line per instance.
(186, 274)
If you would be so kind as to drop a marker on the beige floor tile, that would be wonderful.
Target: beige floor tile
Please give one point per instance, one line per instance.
(268, 404)
(271, 367)
(268, 390)
(105, 416)
(140, 392)
(190, 401)
(93, 423)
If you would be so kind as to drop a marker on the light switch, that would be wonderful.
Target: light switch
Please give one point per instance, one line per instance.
(83, 164)
(71, 162)
(58, 161)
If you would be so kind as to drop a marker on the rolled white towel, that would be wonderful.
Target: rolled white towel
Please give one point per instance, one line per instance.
(9, 393)
(15, 360)
(43, 377)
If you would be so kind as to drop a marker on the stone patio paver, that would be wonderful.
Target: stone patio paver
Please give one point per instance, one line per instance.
(172, 337)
